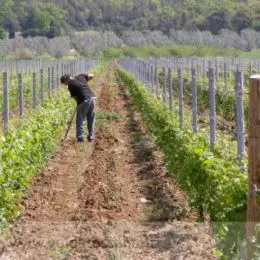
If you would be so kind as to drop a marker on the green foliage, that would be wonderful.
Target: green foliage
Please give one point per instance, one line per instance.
(213, 181)
(45, 20)
(179, 50)
(120, 15)
(188, 156)
(24, 150)
(225, 97)
(108, 116)
(251, 55)
(8, 19)
(14, 91)
(112, 53)
(2, 34)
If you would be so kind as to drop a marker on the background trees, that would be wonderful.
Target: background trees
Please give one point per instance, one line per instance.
(93, 43)
(44, 20)
(88, 27)
(8, 19)
(36, 17)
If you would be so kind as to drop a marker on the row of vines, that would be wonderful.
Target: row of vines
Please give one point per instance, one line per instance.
(30, 139)
(213, 179)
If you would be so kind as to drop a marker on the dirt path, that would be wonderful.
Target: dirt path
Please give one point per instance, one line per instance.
(108, 200)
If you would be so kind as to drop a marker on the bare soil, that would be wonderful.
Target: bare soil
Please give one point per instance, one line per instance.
(111, 199)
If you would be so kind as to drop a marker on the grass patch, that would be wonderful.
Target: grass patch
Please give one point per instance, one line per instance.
(109, 116)
(58, 252)
(175, 50)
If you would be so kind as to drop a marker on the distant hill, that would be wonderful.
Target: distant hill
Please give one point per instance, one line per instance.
(59, 17)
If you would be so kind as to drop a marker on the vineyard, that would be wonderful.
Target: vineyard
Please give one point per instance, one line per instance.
(204, 136)
(167, 177)
(32, 122)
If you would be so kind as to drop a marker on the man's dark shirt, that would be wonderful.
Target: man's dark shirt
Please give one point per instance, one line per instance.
(79, 88)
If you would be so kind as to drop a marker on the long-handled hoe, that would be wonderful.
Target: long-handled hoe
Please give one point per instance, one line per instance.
(70, 123)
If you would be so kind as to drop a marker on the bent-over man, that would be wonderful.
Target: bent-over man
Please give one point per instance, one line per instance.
(85, 97)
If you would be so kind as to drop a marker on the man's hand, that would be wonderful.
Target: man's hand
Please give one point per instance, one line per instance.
(90, 76)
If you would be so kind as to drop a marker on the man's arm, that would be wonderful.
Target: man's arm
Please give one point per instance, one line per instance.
(89, 76)
(73, 91)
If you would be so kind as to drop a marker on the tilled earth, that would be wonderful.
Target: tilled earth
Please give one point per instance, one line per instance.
(111, 199)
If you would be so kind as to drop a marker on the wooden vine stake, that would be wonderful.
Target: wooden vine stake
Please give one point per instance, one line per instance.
(253, 210)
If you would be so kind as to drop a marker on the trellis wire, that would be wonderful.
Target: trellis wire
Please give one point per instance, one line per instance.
(53, 82)
(205, 66)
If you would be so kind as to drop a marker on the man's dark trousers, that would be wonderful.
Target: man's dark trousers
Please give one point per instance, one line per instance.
(86, 112)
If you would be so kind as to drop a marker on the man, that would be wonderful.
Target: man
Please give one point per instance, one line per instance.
(85, 97)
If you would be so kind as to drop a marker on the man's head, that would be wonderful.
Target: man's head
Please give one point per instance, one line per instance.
(64, 79)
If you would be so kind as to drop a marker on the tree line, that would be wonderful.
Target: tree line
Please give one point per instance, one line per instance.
(92, 44)
(61, 17)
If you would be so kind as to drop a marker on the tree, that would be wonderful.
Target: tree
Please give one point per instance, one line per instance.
(41, 18)
(8, 18)
(59, 47)
(241, 21)
(215, 22)
(45, 20)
